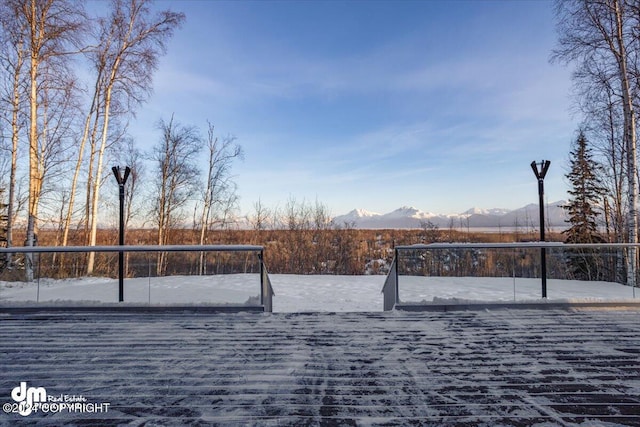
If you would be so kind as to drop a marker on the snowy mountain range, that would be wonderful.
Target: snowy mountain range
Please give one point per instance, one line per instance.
(526, 217)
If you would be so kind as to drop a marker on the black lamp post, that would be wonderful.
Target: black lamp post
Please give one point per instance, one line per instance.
(540, 174)
(121, 181)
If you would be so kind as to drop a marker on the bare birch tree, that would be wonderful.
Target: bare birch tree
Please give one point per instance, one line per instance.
(53, 31)
(133, 158)
(59, 108)
(12, 58)
(260, 220)
(131, 42)
(600, 103)
(220, 191)
(176, 174)
(602, 33)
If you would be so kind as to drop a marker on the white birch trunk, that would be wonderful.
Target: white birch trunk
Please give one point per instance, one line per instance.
(33, 143)
(630, 144)
(95, 194)
(15, 131)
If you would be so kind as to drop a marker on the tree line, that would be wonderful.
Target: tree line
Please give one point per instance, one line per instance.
(299, 238)
(332, 249)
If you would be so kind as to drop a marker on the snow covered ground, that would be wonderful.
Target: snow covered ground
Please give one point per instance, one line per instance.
(479, 368)
(355, 367)
(295, 293)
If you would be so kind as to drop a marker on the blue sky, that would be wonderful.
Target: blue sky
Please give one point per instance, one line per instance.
(440, 105)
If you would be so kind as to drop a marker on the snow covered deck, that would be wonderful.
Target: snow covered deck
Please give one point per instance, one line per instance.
(491, 367)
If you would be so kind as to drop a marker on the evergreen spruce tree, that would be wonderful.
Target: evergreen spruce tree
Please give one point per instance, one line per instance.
(586, 193)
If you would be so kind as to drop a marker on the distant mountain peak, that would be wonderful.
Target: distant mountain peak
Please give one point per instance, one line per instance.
(362, 213)
(411, 217)
(404, 211)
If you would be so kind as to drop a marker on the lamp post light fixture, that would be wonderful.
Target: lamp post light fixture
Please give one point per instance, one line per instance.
(540, 174)
(121, 182)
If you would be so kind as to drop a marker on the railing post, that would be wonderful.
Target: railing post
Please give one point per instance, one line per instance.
(397, 293)
(266, 291)
(262, 293)
(390, 288)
